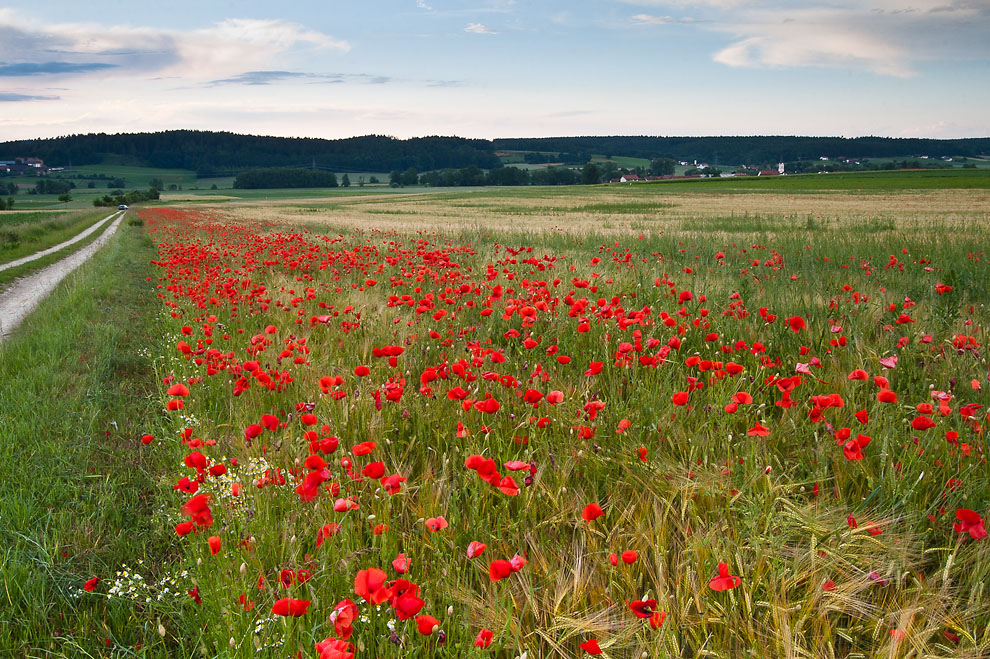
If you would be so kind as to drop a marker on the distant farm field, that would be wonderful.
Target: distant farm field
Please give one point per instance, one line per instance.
(666, 420)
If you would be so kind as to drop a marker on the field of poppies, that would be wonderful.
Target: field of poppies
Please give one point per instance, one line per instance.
(765, 438)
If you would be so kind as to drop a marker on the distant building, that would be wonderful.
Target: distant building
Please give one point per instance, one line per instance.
(768, 172)
(24, 166)
(780, 168)
(629, 178)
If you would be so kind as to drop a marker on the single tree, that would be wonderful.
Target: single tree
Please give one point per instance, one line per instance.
(590, 174)
(662, 167)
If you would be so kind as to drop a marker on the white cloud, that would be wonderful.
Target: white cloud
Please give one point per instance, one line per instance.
(422, 4)
(802, 44)
(649, 19)
(881, 36)
(478, 28)
(228, 47)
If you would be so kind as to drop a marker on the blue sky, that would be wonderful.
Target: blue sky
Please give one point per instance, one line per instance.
(497, 68)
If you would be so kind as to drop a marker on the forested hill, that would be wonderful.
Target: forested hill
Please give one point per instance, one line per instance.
(749, 150)
(209, 152)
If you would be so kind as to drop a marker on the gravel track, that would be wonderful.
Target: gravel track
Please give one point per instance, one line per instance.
(51, 250)
(26, 293)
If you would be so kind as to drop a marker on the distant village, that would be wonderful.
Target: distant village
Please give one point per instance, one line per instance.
(634, 178)
(24, 167)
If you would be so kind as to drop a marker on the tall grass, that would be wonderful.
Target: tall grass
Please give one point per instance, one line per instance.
(774, 508)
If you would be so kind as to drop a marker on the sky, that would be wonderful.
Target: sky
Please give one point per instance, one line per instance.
(497, 68)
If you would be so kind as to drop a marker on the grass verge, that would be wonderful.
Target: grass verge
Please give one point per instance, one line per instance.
(9, 275)
(24, 239)
(79, 491)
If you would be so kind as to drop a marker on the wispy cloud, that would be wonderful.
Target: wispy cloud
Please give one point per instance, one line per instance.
(271, 77)
(649, 19)
(49, 68)
(478, 28)
(6, 97)
(422, 4)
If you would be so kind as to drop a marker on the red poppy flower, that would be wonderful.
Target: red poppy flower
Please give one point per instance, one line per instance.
(499, 569)
(214, 541)
(643, 608)
(178, 390)
(288, 606)
(796, 323)
(483, 639)
(332, 648)
(401, 563)
(91, 584)
(758, 431)
(590, 646)
(427, 624)
(343, 616)
(592, 512)
(853, 449)
(886, 396)
(199, 509)
(368, 582)
(724, 581)
(969, 522)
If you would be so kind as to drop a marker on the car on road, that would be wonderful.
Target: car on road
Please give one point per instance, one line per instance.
(122, 207)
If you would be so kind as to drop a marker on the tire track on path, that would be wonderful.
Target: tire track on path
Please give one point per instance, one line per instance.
(25, 294)
(51, 250)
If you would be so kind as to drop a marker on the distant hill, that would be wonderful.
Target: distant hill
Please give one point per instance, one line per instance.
(211, 153)
(749, 150)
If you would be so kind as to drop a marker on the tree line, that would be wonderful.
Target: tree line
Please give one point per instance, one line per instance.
(126, 198)
(284, 177)
(211, 153)
(221, 153)
(749, 150)
(590, 174)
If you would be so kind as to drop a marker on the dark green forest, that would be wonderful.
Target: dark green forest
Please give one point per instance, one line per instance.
(750, 150)
(212, 153)
(221, 153)
(279, 177)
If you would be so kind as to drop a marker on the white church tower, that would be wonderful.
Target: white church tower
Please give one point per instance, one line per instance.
(780, 168)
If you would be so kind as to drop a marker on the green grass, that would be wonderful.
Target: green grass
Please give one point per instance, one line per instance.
(627, 162)
(79, 488)
(135, 177)
(10, 274)
(40, 232)
(871, 182)
(707, 493)
(34, 217)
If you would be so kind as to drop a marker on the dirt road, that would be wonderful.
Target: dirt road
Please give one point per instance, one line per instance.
(51, 250)
(25, 294)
